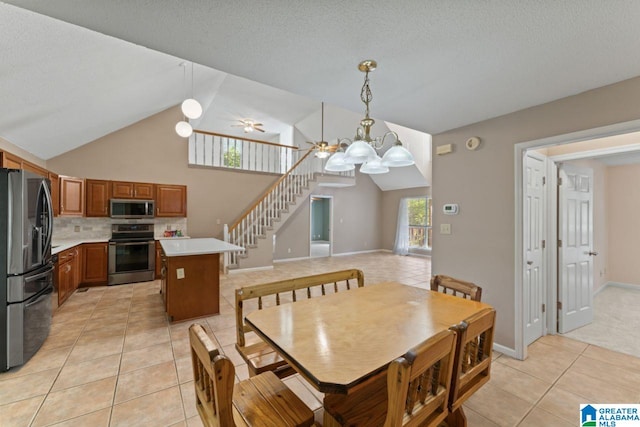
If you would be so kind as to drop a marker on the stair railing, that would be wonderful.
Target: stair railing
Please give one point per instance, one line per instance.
(233, 152)
(261, 215)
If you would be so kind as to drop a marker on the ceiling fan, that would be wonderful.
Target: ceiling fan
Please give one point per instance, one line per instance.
(249, 125)
(323, 148)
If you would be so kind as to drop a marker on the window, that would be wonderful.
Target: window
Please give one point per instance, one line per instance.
(419, 210)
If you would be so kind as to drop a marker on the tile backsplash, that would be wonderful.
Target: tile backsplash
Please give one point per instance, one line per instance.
(67, 228)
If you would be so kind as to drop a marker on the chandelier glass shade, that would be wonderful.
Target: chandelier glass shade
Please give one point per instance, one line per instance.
(374, 166)
(336, 163)
(363, 149)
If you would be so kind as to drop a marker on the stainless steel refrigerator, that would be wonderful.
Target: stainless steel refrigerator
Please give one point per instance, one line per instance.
(26, 269)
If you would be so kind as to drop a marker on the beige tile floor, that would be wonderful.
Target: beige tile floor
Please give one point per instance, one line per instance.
(112, 359)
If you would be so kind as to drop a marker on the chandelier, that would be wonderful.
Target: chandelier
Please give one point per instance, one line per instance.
(363, 149)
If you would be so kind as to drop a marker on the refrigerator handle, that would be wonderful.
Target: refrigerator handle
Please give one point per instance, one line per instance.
(49, 223)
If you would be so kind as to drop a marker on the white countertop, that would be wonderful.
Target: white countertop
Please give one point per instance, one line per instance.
(62, 245)
(201, 246)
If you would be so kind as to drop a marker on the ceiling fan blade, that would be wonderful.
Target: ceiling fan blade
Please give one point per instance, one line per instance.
(332, 148)
(311, 143)
(257, 124)
(258, 129)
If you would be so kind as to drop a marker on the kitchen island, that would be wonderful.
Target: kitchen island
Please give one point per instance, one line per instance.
(191, 276)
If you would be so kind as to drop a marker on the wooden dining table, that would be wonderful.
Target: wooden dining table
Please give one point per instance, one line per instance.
(339, 342)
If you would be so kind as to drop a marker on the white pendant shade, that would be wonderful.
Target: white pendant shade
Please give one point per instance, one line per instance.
(184, 129)
(191, 108)
(397, 156)
(336, 163)
(374, 166)
(359, 152)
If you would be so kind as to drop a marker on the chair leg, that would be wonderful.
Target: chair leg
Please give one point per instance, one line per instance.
(457, 418)
(329, 421)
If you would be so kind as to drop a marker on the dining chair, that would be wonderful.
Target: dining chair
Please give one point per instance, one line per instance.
(472, 364)
(414, 391)
(263, 400)
(457, 287)
(259, 355)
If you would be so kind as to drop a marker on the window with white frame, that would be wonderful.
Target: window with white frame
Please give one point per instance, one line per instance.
(419, 210)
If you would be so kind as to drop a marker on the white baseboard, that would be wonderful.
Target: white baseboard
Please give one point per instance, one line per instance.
(361, 252)
(618, 285)
(504, 350)
(290, 259)
(245, 270)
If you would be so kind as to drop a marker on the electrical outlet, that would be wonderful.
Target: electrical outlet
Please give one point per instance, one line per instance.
(168, 227)
(445, 228)
(218, 221)
(76, 228)
(289, 250)
(180, 273)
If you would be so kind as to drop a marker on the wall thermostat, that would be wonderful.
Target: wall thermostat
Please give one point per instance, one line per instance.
(472, 143)
(450, 209)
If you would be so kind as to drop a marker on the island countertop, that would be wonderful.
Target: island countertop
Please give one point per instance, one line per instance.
(199, 246)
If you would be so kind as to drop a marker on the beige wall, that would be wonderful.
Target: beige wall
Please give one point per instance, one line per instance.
(390, 202)
(150, 151)
(600, 220)
(481, 247)
(624, 223)
(14, 149)
(357, 221)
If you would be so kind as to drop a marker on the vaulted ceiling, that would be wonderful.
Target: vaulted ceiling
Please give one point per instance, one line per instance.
(442, 64)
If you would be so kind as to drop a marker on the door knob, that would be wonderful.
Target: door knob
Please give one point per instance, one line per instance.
(529, 262)
(592, 253)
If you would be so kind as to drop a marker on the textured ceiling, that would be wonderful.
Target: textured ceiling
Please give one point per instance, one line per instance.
(442, 64)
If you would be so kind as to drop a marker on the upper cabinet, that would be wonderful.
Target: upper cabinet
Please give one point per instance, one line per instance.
(9, 161)
(171, 200)
(71, 196)
(131, 190)
(55, 192)
(97, 196)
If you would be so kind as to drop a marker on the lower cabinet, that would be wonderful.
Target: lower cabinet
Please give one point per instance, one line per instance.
(69, 262)
(94, 264)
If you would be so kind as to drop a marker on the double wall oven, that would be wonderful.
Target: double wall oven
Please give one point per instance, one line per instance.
(132, 255)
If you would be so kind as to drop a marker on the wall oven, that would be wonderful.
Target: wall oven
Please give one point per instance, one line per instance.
(132, 255)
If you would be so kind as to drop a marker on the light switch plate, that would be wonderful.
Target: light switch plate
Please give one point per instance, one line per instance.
(445, 228)
(180, 273)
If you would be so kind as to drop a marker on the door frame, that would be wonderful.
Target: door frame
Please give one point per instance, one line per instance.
(330, 198)
(552, 232)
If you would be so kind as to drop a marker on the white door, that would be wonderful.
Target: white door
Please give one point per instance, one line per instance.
(575, 252)
(533, 227)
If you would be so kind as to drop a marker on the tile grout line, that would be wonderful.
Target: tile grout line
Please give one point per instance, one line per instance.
(535, 405)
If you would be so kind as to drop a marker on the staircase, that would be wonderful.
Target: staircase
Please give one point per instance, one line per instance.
(254, 231)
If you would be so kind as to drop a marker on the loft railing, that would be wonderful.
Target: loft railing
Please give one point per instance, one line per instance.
(253, 224)
(232, 152)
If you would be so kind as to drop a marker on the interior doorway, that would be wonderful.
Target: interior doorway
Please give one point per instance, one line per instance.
(592, 149)
(320, 226)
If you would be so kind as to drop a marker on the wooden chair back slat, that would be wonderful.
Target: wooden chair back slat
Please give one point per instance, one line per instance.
(452, 286)
(213, 380)
(418, 383)
(473, 358)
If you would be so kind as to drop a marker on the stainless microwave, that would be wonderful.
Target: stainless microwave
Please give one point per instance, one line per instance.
(126, 208)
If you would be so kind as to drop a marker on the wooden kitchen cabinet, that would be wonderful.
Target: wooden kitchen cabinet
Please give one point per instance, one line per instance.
(35, 169)
(10, 161)
(171, 200)
(94, 263)
(68, 273)
(55, 192)
(97, 197)
(131, 190)
(71, 196)
(158, 260)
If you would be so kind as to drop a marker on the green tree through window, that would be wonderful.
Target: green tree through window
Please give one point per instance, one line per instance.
(419, 210)
(232, 158)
